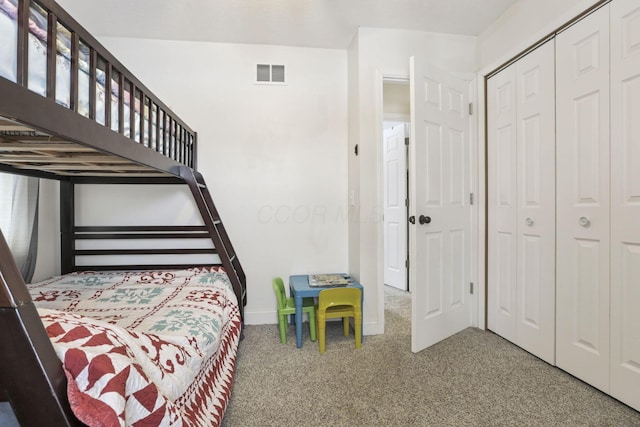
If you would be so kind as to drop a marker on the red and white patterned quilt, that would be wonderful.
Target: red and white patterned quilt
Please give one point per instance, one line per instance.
(144, 348)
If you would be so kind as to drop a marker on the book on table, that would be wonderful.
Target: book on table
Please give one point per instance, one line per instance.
(328, 280)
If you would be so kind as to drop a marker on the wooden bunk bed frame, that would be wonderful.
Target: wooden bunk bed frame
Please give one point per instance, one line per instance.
(39, 137)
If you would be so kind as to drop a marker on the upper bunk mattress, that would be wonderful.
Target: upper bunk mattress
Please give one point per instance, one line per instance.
(145, 347)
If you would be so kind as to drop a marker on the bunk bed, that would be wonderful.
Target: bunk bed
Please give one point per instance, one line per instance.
(71, 112)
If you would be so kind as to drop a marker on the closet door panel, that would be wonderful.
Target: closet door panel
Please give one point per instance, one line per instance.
(582, 168)
(502, 203)
(625, 201)
(535, 218)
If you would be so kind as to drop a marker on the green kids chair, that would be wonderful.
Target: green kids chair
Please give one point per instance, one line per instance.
(287, 307)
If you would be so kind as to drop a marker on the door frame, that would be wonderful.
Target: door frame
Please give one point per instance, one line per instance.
(380, 79)
(477, 175)
(406, 119)
(398, 118)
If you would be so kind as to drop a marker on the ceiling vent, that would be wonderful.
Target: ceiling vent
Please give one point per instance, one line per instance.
(268, 73)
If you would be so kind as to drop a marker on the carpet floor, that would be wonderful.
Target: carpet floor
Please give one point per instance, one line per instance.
(474, 378)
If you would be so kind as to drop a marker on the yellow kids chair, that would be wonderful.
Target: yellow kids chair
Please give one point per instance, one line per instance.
(339, 302)
(286, 307)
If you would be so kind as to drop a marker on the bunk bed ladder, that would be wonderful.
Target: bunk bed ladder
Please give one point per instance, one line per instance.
(228, 257)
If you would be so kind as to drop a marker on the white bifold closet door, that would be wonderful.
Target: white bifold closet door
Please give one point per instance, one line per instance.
(582, 282)
(521, 232)
(625, 201)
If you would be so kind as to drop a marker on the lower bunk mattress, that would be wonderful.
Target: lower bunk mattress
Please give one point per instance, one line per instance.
(145, 348)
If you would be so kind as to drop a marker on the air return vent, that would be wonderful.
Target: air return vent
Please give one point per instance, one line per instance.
(268, 73)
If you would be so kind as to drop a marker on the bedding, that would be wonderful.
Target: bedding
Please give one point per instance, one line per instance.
(146, 347)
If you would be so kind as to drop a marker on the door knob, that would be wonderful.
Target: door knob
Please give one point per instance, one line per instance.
(412, 219)
(424, 219)
(529, 222)
(584, 221)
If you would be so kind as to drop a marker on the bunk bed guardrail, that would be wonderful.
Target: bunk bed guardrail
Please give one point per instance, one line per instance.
(47, 53)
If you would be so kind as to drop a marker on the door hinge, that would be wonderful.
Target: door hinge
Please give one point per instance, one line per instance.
(471, 198)
(471, 109)
(406, 263)
(471, 288)
(406, 203)
(406, 140)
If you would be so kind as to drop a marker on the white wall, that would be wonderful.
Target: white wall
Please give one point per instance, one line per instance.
(396, 105)
(375, 53)
(272, 155)
(117, 204)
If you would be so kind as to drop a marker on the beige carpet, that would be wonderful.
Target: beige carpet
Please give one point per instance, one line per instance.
(474, 378)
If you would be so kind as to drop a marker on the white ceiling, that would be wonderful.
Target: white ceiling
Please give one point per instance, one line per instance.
(309, 23)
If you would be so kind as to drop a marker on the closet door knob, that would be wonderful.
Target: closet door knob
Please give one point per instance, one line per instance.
(584, 221)
(412, 219)
(529, 222)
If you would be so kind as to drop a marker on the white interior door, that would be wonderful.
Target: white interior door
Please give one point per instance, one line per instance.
(625, 201)
(582, 271)
(395, 210)
(536, 214)
(439, 193)
(502, 203)
(521, 161)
